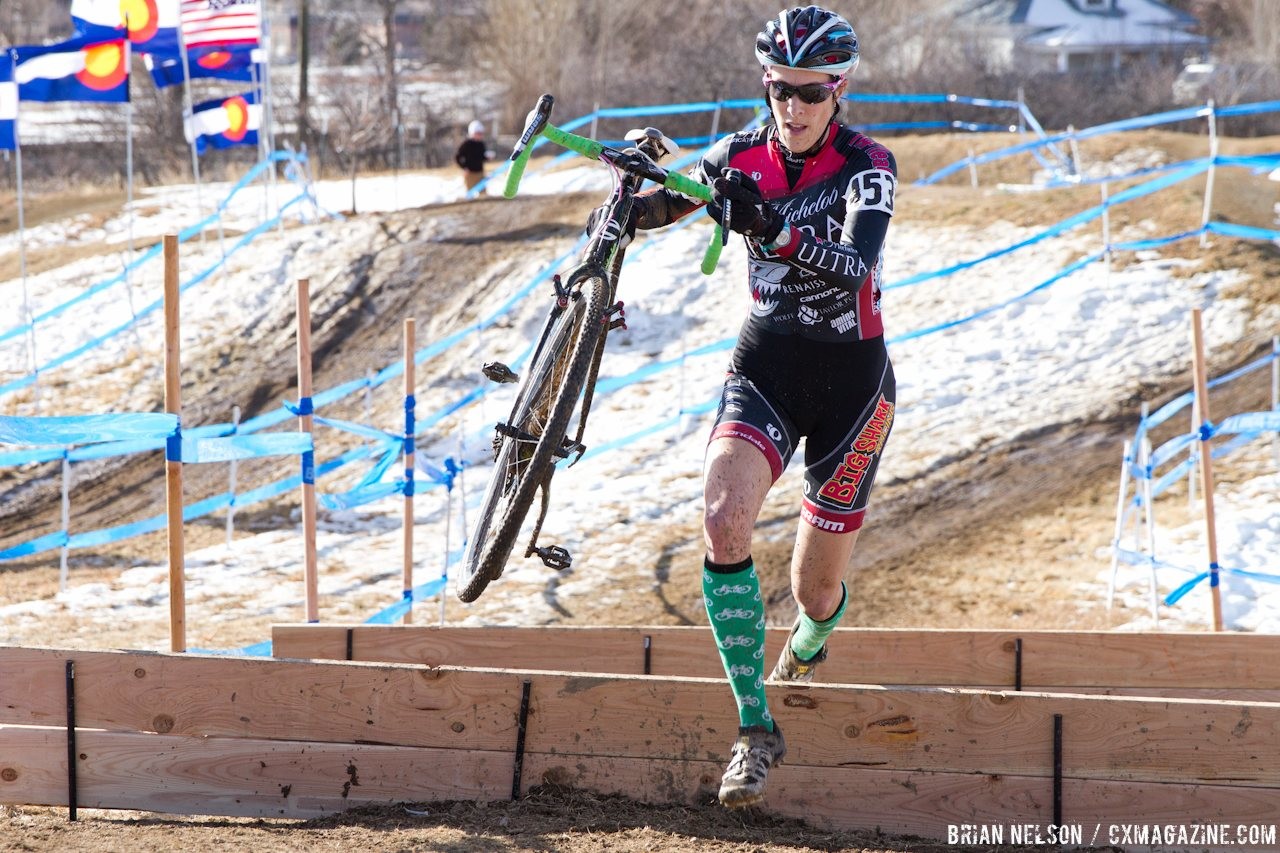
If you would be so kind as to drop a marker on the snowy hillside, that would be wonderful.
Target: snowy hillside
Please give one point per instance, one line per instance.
(1069, 353)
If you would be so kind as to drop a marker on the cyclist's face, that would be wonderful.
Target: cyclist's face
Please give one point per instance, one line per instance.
(801, 125)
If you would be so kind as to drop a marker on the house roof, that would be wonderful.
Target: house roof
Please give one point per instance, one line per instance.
(1057, 24)
(1120, 34)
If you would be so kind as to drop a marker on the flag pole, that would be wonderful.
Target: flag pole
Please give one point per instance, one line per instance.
(190, 114)
(22, 267)
(128, 158)
(264, 151)
(268, 111)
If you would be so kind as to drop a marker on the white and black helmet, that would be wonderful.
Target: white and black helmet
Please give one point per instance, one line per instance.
(809, 37)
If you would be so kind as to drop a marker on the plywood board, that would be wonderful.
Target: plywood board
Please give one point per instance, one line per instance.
(901, 728)
(251, 777)
(1051, 661)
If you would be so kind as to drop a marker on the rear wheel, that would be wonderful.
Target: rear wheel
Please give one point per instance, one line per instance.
(526, 450)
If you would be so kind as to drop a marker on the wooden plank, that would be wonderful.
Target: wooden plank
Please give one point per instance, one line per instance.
(1050, 659)
(905, 728)
(247, 697)
(238, 776)
(262, 778)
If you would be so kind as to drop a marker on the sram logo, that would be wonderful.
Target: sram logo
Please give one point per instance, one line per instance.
(819, 522)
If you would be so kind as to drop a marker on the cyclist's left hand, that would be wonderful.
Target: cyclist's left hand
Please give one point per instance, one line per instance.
(736, 203)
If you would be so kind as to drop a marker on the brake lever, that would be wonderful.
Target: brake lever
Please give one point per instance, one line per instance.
(653, 142)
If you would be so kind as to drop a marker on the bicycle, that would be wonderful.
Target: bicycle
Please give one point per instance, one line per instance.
(566, 360)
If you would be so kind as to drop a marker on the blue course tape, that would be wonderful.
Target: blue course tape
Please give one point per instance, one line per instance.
(148, 254)
(1097, 130)
(85, 429)
(93, 343)
(396, 611)
(23, 457)
(35, 546)
(195, 450)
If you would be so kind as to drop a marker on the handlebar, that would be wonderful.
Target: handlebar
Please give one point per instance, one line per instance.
(538, 123)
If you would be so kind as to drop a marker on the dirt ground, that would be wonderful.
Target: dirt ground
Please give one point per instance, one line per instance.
(990, 541)
(546, 819)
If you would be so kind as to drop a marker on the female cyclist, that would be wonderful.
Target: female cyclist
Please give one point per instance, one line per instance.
(813, 200)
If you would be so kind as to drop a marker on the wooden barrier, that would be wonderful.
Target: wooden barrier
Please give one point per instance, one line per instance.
(239, 736)
(1236, 667)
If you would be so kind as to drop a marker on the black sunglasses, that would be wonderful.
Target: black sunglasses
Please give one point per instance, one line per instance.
(810, 93)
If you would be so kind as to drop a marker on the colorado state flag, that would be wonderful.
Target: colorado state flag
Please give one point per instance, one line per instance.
(79, 69)
(152, 24)
(225, 122)
(223, 63)
(8, 104)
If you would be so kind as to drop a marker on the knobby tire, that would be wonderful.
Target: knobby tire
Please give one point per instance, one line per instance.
(545, 406)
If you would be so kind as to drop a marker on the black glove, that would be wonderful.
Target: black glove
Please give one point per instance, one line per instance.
(737, 205)
(628, 230)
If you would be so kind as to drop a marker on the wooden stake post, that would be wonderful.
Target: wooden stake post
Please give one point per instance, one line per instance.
(1206, 465)
(308, 458)
(409, 401)
(173, 463)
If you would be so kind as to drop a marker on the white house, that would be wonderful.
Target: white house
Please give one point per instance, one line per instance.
(1078, 35)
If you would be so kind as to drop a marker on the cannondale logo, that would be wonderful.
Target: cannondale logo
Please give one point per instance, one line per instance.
(736, 613)
(732, 589)
(774, 432)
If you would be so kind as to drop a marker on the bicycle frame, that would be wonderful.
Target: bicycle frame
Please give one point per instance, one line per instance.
(559, 384)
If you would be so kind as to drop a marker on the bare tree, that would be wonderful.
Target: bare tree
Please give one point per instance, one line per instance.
(359, 124)
(33, 21)
(391, 79)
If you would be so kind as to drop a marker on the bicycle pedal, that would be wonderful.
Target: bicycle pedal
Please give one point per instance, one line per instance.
(554, 557)
(496, 371)
(618, 322)
(506, 429)
(569, 448)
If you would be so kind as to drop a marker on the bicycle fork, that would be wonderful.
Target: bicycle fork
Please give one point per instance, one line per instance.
(555, 556)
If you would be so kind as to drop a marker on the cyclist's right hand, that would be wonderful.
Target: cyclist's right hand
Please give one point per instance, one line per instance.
(629, 229)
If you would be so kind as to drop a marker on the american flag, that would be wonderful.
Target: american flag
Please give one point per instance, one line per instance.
(221, 22)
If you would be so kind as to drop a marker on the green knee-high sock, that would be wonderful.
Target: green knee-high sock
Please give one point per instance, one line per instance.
(735, 609)
(811, 635)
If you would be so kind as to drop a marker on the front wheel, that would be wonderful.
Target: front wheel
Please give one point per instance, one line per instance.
(525, 450)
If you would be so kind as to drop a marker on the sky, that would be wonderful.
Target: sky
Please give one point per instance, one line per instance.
(1067, 353)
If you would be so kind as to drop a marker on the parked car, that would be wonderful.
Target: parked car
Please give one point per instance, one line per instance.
(1226, 82)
